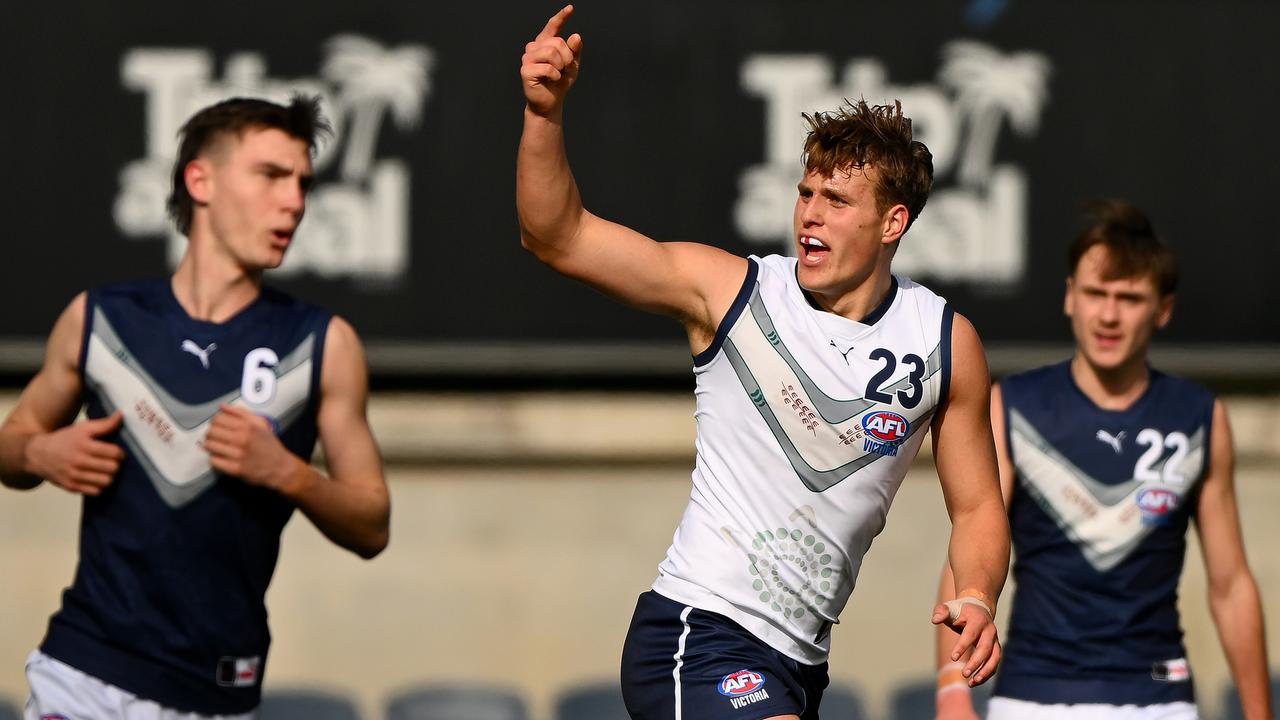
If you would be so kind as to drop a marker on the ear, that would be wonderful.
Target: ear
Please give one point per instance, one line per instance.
(198, 175)
(1166, 311)
(1068, 300)
(895, 223)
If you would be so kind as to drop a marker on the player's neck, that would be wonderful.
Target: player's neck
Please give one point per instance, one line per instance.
(212, 287)
(857, 302)
(1111, 388)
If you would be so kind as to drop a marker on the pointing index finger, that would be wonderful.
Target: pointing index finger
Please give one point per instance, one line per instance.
(555, 23)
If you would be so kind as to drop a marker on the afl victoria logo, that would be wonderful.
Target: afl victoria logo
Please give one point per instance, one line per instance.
(886, 426)
(1157, 504)
(741, 683)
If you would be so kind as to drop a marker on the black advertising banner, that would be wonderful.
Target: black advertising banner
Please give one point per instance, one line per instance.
(685, 125)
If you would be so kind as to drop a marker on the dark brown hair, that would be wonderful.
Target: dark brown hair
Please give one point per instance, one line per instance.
(1133, 248)
(858, 136)
(301, 119)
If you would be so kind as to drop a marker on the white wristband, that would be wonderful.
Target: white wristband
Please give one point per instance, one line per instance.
(954, 607)
(952, 687)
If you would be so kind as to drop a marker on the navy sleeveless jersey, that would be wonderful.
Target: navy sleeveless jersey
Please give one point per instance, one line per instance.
(175, 558)
(1099, 517)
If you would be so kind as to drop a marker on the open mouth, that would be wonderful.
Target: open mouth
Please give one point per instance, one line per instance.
(813, 248)
(282, 236)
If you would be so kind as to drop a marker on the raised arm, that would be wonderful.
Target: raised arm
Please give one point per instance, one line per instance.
(37, 441)
(1233, 593)
(691, 282)
(979, 550)
(351, 505)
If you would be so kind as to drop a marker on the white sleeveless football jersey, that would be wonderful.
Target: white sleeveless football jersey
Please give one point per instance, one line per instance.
(807, 423)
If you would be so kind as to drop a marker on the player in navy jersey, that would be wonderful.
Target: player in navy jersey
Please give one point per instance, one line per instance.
(204, 393)
(818, 378)
(1104, 461)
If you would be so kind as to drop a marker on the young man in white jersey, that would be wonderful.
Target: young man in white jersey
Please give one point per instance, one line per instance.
(1104, 461)
(204, 393)
(817, 379)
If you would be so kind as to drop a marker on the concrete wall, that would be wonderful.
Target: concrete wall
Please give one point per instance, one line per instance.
(524, 526)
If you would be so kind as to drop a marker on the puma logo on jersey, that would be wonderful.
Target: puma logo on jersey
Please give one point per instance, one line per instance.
(1112, 440)
(844, 354)
(202, 353)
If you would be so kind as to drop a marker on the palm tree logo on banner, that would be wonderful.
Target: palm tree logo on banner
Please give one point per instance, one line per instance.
(989, 86)
(974, 228)
(372, 80)
(357, 225)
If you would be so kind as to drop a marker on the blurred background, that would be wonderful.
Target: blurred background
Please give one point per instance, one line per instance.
(539, 436)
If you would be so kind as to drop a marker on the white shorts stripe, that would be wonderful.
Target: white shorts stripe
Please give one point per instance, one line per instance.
(57, 689)
(679, 656)
(1002, 708)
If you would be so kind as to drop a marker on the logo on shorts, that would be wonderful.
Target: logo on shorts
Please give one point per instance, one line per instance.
(743, 688)
(1176, 670)
(238, 672)
(743, 682)
(1156, 505)
(885, 431)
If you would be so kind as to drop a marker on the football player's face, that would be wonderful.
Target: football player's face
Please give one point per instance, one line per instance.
(840, 231)
(1113, 320)
(256, 194)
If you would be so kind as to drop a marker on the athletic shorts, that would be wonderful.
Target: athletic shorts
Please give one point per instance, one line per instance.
(1003, 708)
(61, 692)
(681, 663)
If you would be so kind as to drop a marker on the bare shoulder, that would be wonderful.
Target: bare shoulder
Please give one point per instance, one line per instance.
(52, 398)
(63, 349)
(341, 336)
(968, 359)
(345, 369)
(1221, 443)
(717, 273)
(707, 257)
(997, 405)
(964, 337)
(1221, 419)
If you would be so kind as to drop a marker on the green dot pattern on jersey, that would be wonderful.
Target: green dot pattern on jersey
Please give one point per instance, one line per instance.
(807, 557)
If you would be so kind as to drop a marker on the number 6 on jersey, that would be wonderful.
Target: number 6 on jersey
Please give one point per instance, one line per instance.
(258, 384)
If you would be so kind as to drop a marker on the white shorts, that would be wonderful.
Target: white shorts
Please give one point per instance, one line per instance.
(59, 690)
(1003, 708)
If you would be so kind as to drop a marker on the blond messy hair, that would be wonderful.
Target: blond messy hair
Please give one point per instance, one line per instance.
(858, 136)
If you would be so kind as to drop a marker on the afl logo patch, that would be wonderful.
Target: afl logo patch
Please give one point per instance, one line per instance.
(743, 682)
(886, 426)
(1157, 504)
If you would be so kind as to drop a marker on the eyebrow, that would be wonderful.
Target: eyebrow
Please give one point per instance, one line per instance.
(829, 193)
(305, 179)
(274, 168)
(824, 190)
(1120, 294)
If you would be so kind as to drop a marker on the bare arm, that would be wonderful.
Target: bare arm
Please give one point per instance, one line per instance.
(351, 506)
(966, 458)
(37, 441)
(693, 283)
(954, 705)
(1233, 594)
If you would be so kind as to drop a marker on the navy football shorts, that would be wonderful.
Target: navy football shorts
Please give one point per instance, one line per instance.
(680, 663)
